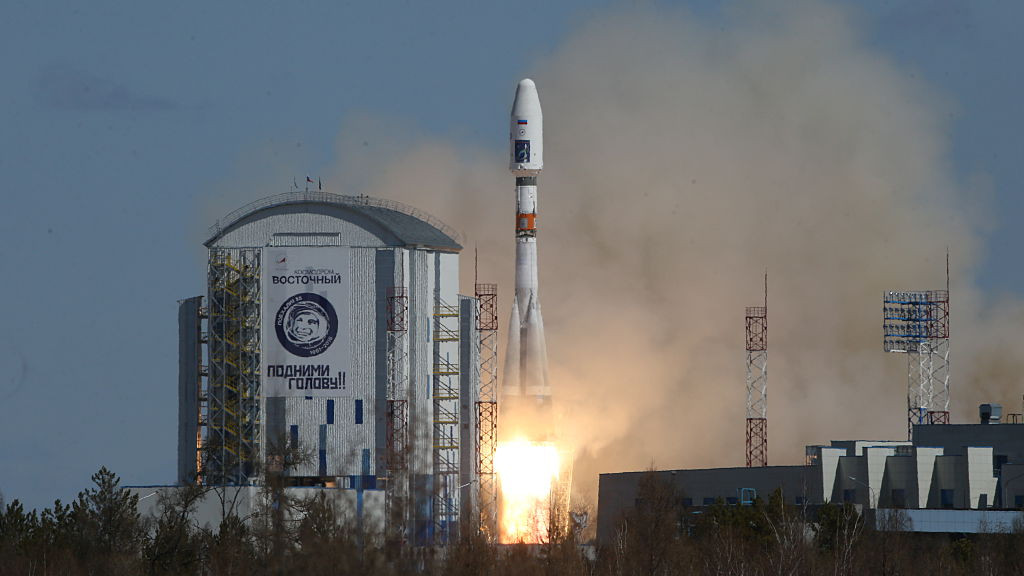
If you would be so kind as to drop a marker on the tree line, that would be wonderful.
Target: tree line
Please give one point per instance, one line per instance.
(659, 536)
(102, 532)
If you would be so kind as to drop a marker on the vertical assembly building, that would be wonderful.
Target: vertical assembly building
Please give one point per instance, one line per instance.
(332, 346)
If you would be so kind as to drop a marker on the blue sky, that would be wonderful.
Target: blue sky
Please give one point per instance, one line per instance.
(119, 122)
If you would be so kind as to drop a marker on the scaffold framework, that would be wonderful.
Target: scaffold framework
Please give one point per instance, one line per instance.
(487, 407)
(397, 501)
(231, 448)
(446, 422)
(202, 392)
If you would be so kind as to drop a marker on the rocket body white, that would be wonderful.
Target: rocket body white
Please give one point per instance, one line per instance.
(526, 370)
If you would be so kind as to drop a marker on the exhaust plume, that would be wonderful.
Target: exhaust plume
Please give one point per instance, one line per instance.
(685, 155)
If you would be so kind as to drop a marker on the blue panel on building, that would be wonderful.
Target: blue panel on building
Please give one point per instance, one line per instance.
(294, 432)
(330, 411)
(946, 498)
(323, 450)
(359, 411)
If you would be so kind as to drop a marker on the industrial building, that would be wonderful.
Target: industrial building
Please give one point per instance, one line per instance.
(332, 348)
(949, 478)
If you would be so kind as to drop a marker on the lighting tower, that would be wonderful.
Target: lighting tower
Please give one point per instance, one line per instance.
(917, 324)
(757, 382)
(487, 406)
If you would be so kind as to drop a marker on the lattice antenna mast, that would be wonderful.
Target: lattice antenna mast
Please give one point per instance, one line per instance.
(939, 334)
(757, 382)
(397, 498)
(487, 408)
(917, 324)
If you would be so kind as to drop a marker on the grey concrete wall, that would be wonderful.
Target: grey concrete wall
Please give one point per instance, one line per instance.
(1006, 440)
(617, 493)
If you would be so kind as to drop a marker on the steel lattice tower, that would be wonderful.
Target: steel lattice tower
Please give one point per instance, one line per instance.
(917, 324)
(757, 382)
(487, 406)
(397, 496)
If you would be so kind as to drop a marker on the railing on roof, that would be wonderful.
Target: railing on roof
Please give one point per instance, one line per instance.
(331, 198)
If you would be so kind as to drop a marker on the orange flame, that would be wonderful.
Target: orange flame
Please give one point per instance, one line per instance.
(526, 472)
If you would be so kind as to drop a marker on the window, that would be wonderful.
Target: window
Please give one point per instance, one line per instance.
(799, 500)
(946, 498)
(322, 452)
(709, 501)
(849, 495)
(359, 411)
(732, 501)
(899, 498)
(687, 502)
(330, 411)
(1018, 501)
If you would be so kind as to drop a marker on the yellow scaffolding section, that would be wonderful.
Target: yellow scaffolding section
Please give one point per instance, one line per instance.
(446, 421)
(232, 396)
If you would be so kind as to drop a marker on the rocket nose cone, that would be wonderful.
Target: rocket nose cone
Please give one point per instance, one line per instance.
(527, 102)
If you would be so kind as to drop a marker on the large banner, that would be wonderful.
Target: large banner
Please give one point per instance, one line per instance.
(306, 348)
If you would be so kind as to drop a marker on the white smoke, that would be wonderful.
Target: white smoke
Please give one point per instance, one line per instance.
(685, 155)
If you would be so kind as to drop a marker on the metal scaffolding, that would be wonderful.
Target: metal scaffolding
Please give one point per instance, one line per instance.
(487, 407)
(446, 422)
(231, 400)
(202, 390)
(397, 501)
(757, 385)
(917, 324)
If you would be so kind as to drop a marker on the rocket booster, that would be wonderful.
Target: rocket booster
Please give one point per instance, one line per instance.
(526, 366)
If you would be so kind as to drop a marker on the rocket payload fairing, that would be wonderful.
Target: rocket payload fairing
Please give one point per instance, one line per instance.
(526, 363)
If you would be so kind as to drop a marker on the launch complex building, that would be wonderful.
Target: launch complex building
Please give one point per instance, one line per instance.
(333, 353)
(333, 350)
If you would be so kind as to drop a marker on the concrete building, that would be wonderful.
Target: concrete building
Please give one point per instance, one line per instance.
(332, 346)
(952, 476)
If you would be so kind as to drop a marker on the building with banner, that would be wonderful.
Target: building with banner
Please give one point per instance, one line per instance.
(332, 349)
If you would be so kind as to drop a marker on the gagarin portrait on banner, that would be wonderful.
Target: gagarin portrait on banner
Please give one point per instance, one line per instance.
(306, 324)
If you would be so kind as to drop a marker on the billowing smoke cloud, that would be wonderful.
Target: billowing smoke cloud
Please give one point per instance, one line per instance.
(686, 155)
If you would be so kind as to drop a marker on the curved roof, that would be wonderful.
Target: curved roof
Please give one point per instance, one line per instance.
(410, 226)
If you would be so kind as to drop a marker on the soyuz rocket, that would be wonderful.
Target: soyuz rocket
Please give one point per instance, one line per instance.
(525, 389)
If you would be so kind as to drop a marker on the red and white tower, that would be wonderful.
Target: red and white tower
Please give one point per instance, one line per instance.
(757, 382)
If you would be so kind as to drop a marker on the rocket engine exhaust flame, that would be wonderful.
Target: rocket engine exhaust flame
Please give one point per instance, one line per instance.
(527, 474)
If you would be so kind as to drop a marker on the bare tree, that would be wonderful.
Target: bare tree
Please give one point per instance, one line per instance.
(838, 530)
(788, 529)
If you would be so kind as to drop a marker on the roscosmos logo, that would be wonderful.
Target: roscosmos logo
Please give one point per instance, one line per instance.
(306, 324)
